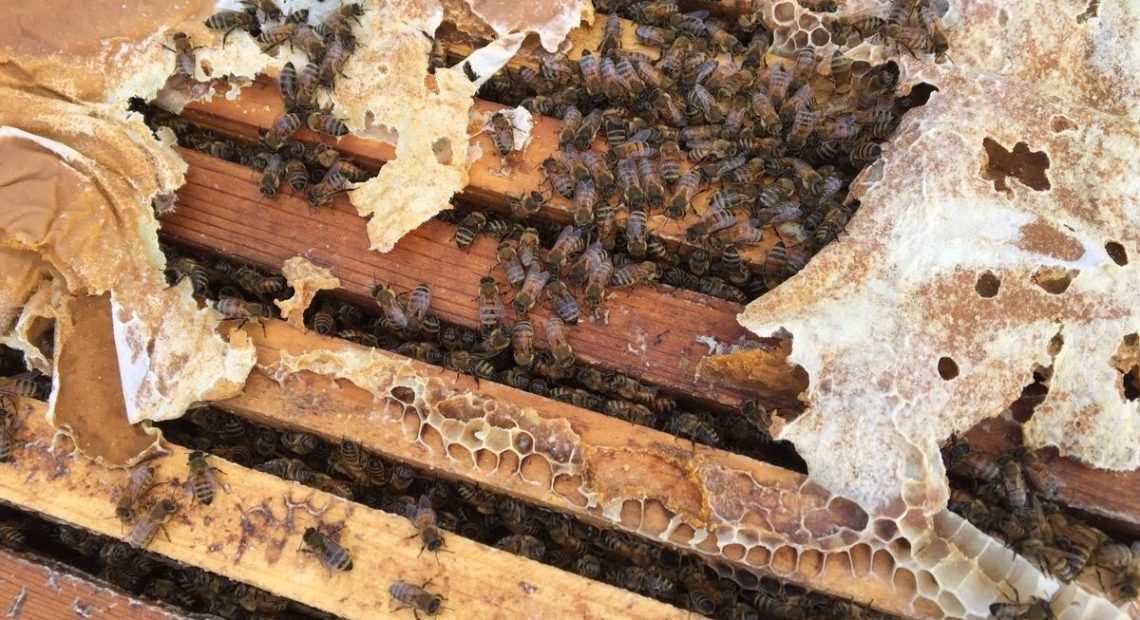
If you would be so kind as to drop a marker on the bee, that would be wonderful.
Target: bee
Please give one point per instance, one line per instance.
(335, 181)
(289, 469)
(252, 599)
(588, 130)
(568, 242)
(482, 501)
(201, 480)
(712, 221)
(526, 205)
(271, 176)
(568, 127)
(306, 94)
(652, 35)
(415, 597)
(611, 36)
(273, 36)
(528, 247)
(268, 8)
(299, 442)
(522, 544)
(634, 274)
(390, 305)
(140, 480)
(564, 303)
(1035, 609)
(699, 262)
(184, 60)
(143, 531)
(502, 133)
(296, 174)
(232, 20)
(555, 330)
(400, 479)
(522, 343)
(585, 197)
(508, 261)
(326, 123)
(652, 182)
(423, 518)
(496, 342)
(469, 228)
(491, 307)
(635, 232)
(693, 428)
(590, 258)
(419, 302)
(351, 461)
(238, 309)
(591, 74)
(669, 166)
(335, 57)
(465, 362)
(558, 176)
(640, 554)
(286, 125)
(330, 553)
(599, 171)
(687, 187)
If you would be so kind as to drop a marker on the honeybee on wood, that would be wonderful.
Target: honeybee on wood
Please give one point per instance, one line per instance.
(142, 532)
(233, 20)
(526, 205)
(390, 305)
(238, 309)
(634, 274)
(585, 197)
(496, 342)
(201, 479)
(416, 597)
(423, 518)
(558, 176)
(299, 442)
(502, 133)
(469, 228)
(565, 305)
(522, 343)
(569, 241)
(508, 261)
(271, 175)
(184, 60)
(140, 480)
(568, 127)
(326, 123)
(491, 307)
(330, 553)
(273, 36)
(335, 57)
(594, 254)
(305, 97)
(286, 125)
(522, 544)
(335, 181)
(555, 330)
(588, 129)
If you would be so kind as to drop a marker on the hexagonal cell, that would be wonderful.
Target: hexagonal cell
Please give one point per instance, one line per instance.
(508, 462)
(535, 468)
(927, 585)
(811, 563)
(655, 517)
(882, 563)
(839, 561)
(570, 487)
(758, 556)
(430, 438)
(523, 443)
(860, 559)
(820, 37)
(682, 534)
(486, 460)
(886, 529)
(784, 560)
(784, 12)
(461, 454)
(734, 551)
(631, 511)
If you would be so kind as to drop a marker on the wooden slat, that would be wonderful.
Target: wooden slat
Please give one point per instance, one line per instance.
(493, 179)
(37, 589)
(251, 534)
(605, 458)
(649, 331)
(1113, 497)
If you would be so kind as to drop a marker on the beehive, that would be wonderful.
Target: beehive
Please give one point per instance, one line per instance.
(886, 540)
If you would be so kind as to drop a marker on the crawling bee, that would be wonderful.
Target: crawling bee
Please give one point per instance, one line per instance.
(390, 305)
(522, 544)
(526, 205)
(496, 342)
(555, 330)
(636, 241)
(596, 281)
(564, 303)
(330, 553)
(693, 428)
(522, 343)
(273, 36)
(289, 469)
(184, 60)
(491, 307)
(423, 517)
(286, 125)
(419, 302)
(201, 480)
(416, 597)
(143, 531)
(566, 244)
(502, 133)
(233, 20)
(238, 309)
(568, 128)
(271, 175)
(299, 442)
(268, 8)
(559, 177)
(634, 274)
(469, 228)
(335, 181)
(591, 74)
(326, 123)
(510, 264)
(140, 480)
(1035, 609)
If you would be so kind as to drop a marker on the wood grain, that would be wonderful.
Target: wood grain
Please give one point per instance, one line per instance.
(251, 534)
(649, 331)
(615, 459)
(32, 588)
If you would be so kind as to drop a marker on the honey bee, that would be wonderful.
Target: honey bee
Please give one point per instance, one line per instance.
(522, 343)
(651, 182)
(469, 228)
(286, 125)
(635, 232)
(652, 35)
(1035, 472)
(558, 176)
(502, 133)
(400, 479)
(296, 174)
(143, 531)
(528, 247)
(289, 469)
(565, 305)
(640, 554)
(482, 501)
(252, 599)
(423, 518)
(330, 553)
(326, 123)
(232, 20)
(567, 243)
(140, 480)
(273, 36)
(670, 163)
(526, 205)
(236, 308)
(1035, 609)
(634, 274)
(306, 93)
(508, 261)
(416, 597)
(491, 307)
(522, 544)
(335, 57)
(599, 171)
(693, 428)
(555, 330)
(390, 305)
(588, 130)
(184, 60)
(201, 480)
(268, 8)
(299, 442)
(687, 187)
(271, 175)
(585, 197)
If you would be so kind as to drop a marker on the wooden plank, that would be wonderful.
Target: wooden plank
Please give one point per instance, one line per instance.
(649, 331)
(251, 534)
(493, 179)
(37, 589)
(584, 455)
(1108, 495)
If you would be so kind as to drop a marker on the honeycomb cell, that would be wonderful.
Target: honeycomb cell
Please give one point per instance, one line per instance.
(820, 37)
(655, 517)
(403, 394)
(784, 560)
(882, 563)
(461, 454)
(811, 563)
(784, 12)
(860, 559)
(839, 561)
(682, 534)
(430, 438)
(569, 486)
(800, 40)
(733, 551)
(536, 469)
(807, 21)
(927, 584)
(709, 545)
(631, 512)
(508, 462)
(758, 556)
(523, 443)
(486, 460)
(886, 529)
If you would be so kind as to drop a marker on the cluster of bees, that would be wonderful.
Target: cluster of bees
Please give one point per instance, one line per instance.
(145, 574)
(1011, 498)
(498, 350)
(768, 138)
(439, 508)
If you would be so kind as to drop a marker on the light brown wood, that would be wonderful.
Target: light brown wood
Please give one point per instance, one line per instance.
(611, 459)
(252, 533)
(649, 331)
(32, 588)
